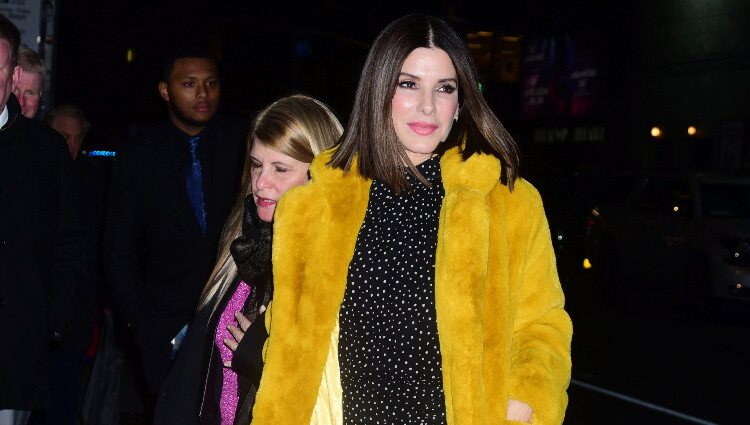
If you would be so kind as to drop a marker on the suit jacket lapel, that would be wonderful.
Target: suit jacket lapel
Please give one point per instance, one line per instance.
(170, 175)
(221, 188)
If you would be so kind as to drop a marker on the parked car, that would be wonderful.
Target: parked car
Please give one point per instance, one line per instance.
(681, 237)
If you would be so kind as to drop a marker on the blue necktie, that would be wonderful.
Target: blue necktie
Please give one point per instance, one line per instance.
(194, 184)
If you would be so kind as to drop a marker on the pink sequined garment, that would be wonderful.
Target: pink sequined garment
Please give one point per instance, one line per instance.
(229, 388)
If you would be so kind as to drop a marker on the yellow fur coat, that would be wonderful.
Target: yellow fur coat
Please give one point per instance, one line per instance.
(501, 323)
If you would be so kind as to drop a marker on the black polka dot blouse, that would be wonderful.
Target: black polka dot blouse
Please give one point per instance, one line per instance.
(389, 353)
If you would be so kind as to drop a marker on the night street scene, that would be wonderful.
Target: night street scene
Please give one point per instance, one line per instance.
(632, 120)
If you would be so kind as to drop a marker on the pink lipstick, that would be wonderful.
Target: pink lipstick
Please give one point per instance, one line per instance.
(422, 128)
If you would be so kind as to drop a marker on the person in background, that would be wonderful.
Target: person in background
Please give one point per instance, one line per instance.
(71, 123)
(171, 191)
(43, 255)
(30, 85)
(69, 360)
(414, 276)
(218, 369)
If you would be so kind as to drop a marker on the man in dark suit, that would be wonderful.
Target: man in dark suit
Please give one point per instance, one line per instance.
(170, 193)
(42, 253)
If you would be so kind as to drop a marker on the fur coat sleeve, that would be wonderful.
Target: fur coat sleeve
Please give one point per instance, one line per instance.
(540, 361)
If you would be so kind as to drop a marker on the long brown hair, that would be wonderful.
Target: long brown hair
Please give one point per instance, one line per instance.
(298, 126)
(370, 135)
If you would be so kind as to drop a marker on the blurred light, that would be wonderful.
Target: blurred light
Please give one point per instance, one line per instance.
(675, 208)
(475, 46)
(101, 153)
(512, 39)
(739, 286)
(129, 55)
(586, 263)
(692, 131)
(595, 212)
(485, 33)
(655, 132)
(559, 237)
(736, 255)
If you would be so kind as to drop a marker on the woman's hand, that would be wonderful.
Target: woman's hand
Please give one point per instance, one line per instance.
(238, 333)
(519, 411)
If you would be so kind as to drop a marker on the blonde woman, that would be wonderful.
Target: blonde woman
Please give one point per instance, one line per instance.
(217, 371)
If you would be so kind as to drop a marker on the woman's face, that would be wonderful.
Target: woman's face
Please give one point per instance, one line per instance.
(425, 102)
(271, 174)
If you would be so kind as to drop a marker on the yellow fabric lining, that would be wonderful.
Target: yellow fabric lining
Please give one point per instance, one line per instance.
(328, 409)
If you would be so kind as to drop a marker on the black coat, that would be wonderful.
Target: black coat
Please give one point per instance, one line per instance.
(43, 255)
(89, 179)
(190, 394)
(156, 258)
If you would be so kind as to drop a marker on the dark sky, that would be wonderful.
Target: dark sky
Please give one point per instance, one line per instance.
(268, 48)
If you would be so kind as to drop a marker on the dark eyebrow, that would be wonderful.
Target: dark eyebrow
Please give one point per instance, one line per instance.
(414, 77)
(194, 76)
(406, 74)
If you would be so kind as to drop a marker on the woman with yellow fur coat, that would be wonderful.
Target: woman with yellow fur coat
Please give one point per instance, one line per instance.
(415, 281)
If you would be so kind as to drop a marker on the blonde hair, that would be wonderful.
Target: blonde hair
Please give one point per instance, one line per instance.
(298, 126)
(30, 61)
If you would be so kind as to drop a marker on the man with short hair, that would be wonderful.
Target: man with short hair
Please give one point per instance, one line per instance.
(170, 194)
(69, 121)
(30, 85)
(42, 253)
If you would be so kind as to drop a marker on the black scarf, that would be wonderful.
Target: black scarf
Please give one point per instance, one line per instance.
(251, 252)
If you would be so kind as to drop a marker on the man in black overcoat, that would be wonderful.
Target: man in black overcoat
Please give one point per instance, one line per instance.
(42, 253)
(170, 193)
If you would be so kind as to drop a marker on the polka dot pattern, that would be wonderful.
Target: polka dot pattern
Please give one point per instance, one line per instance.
(389, 352)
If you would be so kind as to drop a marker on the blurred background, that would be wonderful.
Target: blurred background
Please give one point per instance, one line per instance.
(634, 122)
